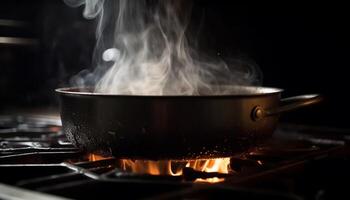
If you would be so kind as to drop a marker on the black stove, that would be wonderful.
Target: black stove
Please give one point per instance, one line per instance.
(299, 162)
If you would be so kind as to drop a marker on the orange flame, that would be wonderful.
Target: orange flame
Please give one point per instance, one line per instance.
(96, 157)
(215, 165)
(174, 168)
(150, 167)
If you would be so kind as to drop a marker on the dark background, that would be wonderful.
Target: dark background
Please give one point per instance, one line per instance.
(300, 47)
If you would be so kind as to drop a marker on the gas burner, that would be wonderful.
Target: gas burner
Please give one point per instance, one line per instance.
(37, 160)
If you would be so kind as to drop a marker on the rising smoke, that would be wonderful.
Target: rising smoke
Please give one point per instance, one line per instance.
(142, 49)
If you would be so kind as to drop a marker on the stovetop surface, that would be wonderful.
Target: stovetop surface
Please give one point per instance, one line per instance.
(299, 162)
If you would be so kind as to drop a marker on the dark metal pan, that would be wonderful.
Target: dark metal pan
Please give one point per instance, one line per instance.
(174, 127)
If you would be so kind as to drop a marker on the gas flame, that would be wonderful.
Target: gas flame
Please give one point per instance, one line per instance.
(96, 157)
(150, 167)
(174, 168)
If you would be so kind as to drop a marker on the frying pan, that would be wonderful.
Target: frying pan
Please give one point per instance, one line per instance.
(174, 127)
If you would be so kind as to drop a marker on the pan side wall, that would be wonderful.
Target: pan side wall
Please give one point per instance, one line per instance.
(163, 128)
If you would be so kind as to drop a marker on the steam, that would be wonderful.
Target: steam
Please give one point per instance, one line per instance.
(142, 49)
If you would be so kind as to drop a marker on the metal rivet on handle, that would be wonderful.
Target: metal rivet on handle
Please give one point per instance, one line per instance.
(257, 113)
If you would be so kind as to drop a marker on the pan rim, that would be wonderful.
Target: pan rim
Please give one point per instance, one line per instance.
(261, 91)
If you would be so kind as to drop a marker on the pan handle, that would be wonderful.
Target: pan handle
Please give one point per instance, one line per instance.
(289, 104)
